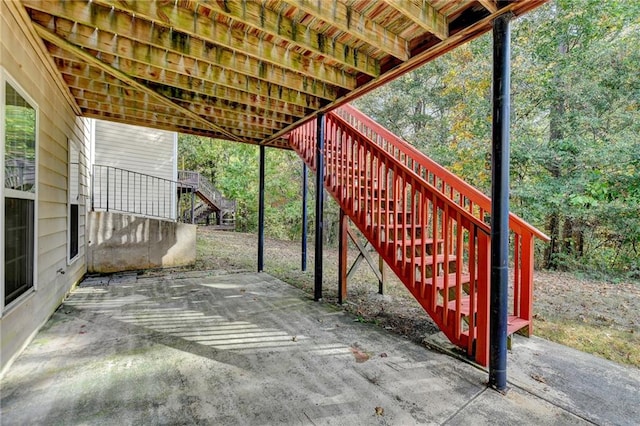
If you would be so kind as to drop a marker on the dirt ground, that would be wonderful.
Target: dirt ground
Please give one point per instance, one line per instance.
(597, 317)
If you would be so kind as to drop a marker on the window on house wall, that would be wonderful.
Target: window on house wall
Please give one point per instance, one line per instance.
(19, 148)
(74, 200)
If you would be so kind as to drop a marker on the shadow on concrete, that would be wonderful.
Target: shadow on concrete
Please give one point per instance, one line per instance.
(249, 349)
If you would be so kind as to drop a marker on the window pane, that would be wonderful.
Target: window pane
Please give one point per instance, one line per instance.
(74, 234)
(20, 143)
(74, 173)
(18, 247)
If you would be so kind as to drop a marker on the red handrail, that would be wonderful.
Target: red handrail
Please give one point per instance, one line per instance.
(403, 149)
(426, 223)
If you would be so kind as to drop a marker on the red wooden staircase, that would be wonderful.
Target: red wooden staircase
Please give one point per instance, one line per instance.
(428, 225)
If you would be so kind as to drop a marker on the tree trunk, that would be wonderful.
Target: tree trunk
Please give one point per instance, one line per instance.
(551, 250)
(556, 117)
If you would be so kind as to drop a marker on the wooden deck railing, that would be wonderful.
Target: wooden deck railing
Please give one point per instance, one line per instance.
(465, 195)
(428, 225)
(211, 195)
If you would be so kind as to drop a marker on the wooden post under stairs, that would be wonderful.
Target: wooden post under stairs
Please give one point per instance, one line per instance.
(364, 254)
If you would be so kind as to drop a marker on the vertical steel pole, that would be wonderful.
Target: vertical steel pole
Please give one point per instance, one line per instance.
(93, 188)
(305, 174)
(193, 199)
(107, 188)
(500, 203)
(261, 213)
(317, 290)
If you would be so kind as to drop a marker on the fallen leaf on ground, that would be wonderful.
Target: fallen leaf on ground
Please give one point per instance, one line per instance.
(379, 411)
(359, 355)
(538, 378)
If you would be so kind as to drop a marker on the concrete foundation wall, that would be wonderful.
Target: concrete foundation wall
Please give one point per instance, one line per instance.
(121, 242)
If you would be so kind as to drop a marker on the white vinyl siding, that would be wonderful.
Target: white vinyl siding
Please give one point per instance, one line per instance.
(22, 58)
(142, 150)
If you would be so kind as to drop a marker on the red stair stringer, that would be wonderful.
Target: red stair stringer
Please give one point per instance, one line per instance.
(427, 224)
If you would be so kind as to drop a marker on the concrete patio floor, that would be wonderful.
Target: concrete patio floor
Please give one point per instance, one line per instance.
(247, 349)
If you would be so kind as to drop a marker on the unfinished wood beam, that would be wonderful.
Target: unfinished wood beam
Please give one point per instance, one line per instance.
(136, 114)
(140, 109)
(349, 21)
(131, 98)
(99, 102)
(424, 15)
(87, 57)
(490, 5)
(174, 86)
(198, 19)
(109, 91)
(140, 21)
(280, 143)
(234, 69)
(66, 65)
(18, 12)
(70, 64)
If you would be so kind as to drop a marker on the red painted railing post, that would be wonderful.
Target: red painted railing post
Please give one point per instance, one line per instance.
(484, 269)
(526, 281)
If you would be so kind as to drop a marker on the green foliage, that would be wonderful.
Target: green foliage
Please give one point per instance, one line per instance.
(575, 159)
(233, 168)
(575, 146)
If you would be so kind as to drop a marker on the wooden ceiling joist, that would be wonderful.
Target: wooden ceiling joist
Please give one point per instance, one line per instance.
(132, 99)
(104, 92)
(211, 63)
(490, 5)
(424, 15)
(183, 88)
(157, 125)
(276, 143)
(97, 101)
(351, 22)
(65, 45)
(253, 15)
(70, 64)
(173, 81)
(197, 19)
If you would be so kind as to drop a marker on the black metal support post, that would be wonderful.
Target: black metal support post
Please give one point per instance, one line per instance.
(261, 213)
(193, 201)
(93, 188)
(305, 174)
(317, 290)
(500, 203)
(107, 189)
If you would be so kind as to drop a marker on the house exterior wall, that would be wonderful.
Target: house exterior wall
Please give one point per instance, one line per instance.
(139, 149)
(22, 59)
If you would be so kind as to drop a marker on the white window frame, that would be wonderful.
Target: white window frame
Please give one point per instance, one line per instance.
(71, 143)
(5, 78)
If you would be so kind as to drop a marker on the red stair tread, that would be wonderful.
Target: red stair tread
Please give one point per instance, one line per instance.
(451, 282)
(428, 259)
(515, 323)
(465, 302)
(418, 241)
